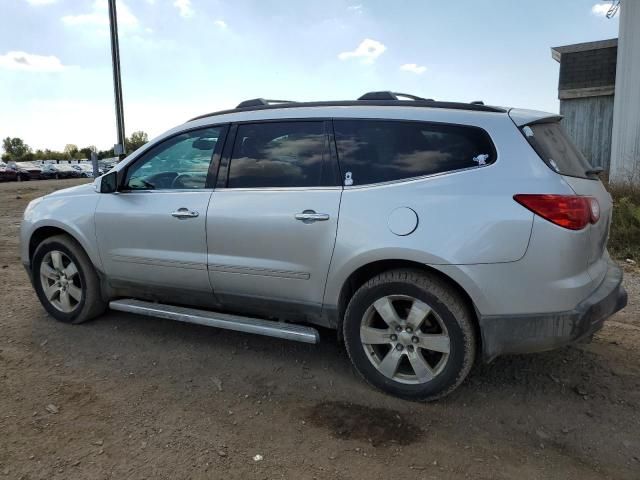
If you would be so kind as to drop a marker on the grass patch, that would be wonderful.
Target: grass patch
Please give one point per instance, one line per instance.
(624, 240)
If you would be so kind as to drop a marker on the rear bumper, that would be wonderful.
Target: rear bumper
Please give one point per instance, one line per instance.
(505, 334)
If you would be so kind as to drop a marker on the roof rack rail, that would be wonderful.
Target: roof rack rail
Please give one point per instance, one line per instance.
(260, 102)
(387, 95)
(477, 102)
(382, 99)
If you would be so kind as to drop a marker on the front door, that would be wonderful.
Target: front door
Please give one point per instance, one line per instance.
(152, 231)
(272, 220)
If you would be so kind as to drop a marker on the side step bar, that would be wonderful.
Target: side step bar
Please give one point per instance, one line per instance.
(238, 323)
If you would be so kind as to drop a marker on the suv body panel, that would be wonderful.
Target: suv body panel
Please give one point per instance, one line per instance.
(290, 259)
(166, 252)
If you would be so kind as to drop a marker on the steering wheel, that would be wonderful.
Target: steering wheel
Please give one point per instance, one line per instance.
(178, 181)
(161, 180)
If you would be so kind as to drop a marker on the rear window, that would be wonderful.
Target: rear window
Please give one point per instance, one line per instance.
(374, 151)
(553, 145)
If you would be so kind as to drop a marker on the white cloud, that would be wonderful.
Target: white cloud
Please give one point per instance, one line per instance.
(37, 3)
(31, 62)
(184, 7)
(368, 51)
(221, 24)
(99, 15)
(355, 8)
(600, 9)
(413, 68)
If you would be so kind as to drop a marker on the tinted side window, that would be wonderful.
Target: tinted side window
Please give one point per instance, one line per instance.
(376, 151)
(279, 154)
(179, 162)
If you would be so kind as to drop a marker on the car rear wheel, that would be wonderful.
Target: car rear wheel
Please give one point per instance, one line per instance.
(410, 334)
(66, 281)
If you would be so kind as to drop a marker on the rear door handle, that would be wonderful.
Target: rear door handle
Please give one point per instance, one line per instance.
(310, 216)
(183, 213)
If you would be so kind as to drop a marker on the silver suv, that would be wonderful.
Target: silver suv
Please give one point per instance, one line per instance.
(426, 233)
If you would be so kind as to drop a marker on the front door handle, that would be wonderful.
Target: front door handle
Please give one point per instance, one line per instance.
(183, 213)
(310, 216)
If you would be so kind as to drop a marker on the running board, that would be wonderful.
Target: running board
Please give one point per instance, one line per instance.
(238, 323)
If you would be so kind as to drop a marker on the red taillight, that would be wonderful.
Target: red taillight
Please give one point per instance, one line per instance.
(569, 211)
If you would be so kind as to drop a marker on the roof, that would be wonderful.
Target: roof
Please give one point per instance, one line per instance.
(378, 99)
(557, 52)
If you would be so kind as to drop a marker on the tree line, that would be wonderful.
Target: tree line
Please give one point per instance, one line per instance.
(16, 150)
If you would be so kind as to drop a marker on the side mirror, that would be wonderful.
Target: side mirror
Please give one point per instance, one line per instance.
(107, 183)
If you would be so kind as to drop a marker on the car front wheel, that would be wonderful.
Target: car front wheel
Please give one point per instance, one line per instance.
(410, 334)
(66, 281)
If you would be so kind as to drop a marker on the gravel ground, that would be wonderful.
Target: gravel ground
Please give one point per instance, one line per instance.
(133, 397)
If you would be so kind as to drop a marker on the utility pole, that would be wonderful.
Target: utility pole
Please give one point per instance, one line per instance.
(119, 148)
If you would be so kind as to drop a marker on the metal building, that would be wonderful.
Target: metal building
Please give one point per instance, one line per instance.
(586, 91)
(625, 151)
(599, 92)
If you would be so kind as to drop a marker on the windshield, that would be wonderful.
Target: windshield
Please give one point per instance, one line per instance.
(553, 145)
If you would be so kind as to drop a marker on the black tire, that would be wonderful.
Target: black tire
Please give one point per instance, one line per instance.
(452, 312)
(91, 303)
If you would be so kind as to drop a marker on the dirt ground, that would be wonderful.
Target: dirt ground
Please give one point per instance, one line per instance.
(134, 397)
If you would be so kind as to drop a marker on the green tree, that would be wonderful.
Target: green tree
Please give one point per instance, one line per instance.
(15, 149)
(136, 140)
(86, 151)
(70, 151)
(106, 153)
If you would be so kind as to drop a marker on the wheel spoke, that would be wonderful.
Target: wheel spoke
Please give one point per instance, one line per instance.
(56, 260)
(74, 292)
(387, 311)
(419, 311)
(436, 343)
(48, 272)
(374, 336)
(65, 302)
(71, 270)
(50, 290)
(389, 365)
(420, 367)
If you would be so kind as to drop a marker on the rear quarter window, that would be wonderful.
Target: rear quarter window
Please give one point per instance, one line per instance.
(375, 151)
(553, 145)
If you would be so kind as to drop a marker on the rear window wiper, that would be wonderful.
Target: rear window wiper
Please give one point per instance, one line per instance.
(594, 171)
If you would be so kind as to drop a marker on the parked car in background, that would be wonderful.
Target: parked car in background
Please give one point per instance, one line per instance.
(7, 174)
(424, 232)
(59, 170)
(51, 171)
(27, 170)
(85, 169)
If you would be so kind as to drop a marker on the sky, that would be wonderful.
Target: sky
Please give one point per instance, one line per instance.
(182, 58)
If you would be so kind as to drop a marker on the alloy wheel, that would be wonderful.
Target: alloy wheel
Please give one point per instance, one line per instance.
(60, 281)
(405, 339)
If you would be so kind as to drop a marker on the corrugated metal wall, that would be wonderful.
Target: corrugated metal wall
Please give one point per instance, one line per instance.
(626, 138)
(589, 122)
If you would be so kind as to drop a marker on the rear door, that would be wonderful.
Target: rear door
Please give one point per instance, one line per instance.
(553, 145)
(272, 220)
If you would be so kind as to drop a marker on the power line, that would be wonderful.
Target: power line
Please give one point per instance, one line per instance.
(615, 6)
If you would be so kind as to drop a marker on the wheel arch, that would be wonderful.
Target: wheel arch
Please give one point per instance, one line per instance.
(43, 232)
(369, 270)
